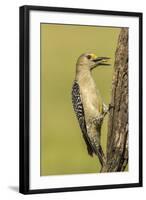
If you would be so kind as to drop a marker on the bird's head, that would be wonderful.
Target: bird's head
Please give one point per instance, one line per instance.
(89, 61)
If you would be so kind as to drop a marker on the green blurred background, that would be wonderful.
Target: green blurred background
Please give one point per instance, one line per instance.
(63, 150)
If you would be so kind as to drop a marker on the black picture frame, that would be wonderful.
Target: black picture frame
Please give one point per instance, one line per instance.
(25, 106)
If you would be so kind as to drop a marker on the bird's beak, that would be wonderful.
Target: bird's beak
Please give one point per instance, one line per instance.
(101, 61)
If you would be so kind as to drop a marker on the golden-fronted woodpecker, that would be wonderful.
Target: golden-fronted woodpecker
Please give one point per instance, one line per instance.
(87, 103)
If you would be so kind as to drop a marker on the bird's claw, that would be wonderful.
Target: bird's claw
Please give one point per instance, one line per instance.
(111, 106)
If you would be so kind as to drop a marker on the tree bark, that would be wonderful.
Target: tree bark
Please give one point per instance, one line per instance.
(117, 139)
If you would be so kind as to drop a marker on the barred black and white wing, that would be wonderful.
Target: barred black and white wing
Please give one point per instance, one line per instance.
(79, 110)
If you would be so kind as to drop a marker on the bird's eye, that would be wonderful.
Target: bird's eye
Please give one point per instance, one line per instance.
(89, 57)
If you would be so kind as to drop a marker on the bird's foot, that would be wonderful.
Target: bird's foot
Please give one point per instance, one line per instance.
(106, 108)
(111, 106)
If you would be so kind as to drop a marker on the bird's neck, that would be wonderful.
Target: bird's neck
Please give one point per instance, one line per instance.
(83, 75)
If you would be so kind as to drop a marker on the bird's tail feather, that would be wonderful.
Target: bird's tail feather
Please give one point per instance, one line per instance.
(89, 147)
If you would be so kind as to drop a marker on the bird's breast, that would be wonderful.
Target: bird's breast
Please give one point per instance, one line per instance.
(91, 98)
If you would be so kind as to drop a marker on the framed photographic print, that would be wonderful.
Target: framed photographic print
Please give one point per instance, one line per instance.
(80, 99)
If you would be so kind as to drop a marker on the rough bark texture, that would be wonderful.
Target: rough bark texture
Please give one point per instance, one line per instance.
(117, 141)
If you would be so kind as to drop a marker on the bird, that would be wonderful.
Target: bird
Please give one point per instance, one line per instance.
(88, 104)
